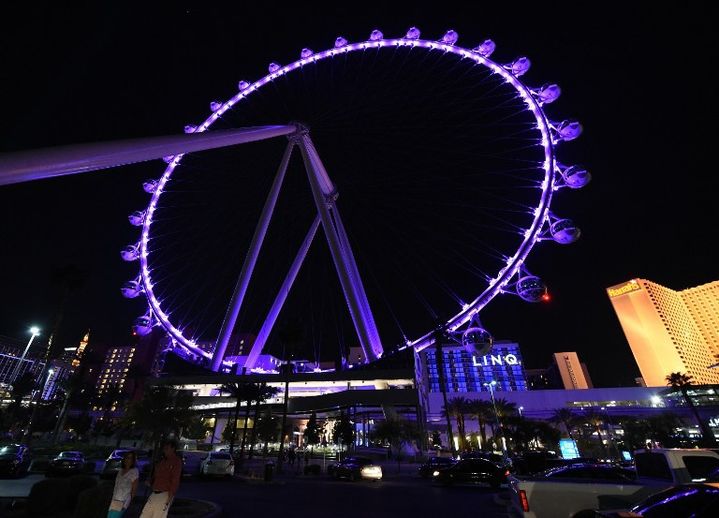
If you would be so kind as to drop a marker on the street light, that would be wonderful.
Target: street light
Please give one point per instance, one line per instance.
(34, 331)
(520, 410)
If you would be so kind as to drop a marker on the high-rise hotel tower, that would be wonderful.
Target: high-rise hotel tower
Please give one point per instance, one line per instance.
(670, 331)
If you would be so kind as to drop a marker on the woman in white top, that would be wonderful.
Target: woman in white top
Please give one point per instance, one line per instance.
(125, 486)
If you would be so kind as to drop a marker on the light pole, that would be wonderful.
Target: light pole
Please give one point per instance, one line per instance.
(520, 410)
(34, 331)
(490, 385)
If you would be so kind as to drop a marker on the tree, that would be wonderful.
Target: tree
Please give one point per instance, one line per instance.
(565, 417)
(243, 391)
(594, 421)
(397, 433)
(162, 411)
(457, 408)
(344, 431)
(682, 382)
(503, 409)
(267, 427)
(482, 411)
(312, 431)
(263, 393)
(436, 439)
(196, 430)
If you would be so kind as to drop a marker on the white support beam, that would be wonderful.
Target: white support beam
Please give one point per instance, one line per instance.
(324, 195)
(274, 312)
(248, 266)
(25, 166)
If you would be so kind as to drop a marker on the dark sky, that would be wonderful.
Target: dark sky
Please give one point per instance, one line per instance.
(635, 77)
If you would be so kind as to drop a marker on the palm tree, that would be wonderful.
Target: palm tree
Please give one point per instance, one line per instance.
(263, 393)
(242, 391)
(680, 381)
(482, 411)
(504, 409)
(457, 408)
(595, 420)
(565, 417)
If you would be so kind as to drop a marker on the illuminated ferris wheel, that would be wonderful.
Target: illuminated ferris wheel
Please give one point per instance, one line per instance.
(444, 163)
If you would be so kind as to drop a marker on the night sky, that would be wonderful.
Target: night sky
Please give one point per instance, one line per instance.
(635, 78)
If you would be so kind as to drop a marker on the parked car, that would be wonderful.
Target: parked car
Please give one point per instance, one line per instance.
(114, 462)
(596, 472)
(67, 463)
(656, 469)
(14, 460)
(695, 500)
(472, 471)
(355, 468)
(217, 464)
(433, 464)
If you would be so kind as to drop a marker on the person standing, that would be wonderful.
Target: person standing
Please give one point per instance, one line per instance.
(165, 482)
(125, 486)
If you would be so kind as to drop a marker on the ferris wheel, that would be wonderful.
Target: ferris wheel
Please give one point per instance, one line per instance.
(445, 157)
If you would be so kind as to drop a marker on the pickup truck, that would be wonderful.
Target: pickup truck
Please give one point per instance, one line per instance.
(656, 469)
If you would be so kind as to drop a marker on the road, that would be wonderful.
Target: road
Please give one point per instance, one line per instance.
(326, 498)
(321, 497)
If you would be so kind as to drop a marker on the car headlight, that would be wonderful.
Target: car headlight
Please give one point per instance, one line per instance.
(435, 473)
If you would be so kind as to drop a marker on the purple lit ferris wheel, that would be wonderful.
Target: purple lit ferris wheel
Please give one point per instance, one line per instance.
(444, 163)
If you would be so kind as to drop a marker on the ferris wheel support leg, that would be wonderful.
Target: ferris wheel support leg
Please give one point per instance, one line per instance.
(248, 266)
(274, 312)
(324, 195)
(370, 324)
(25, 166)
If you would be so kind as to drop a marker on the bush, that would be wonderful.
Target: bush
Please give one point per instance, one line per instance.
(94, 502)
(49, 496)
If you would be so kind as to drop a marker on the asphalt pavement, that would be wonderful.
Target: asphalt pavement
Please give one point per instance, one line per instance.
(401, 493)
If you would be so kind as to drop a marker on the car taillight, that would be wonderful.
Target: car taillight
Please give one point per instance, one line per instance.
(506, 473)
(523, 500)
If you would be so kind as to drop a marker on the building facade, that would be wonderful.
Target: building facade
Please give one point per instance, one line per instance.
(571, 372)
(464, 372)
(670, 331)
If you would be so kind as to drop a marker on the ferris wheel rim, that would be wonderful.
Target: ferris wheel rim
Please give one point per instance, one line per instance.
(495, 286)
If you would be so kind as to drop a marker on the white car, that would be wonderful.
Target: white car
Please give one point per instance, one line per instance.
(217, 464)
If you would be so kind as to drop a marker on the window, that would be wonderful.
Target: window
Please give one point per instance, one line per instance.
(652, 465)
(699, 467)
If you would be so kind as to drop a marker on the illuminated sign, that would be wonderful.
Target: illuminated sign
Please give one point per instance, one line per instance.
(494, 359)
(624, 288)
(569, 449)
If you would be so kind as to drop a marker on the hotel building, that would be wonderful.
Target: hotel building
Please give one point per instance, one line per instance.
(670, 331)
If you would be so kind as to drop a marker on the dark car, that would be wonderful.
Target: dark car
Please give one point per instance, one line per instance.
(596, 472)
(472, 471)
(14, 460)
(695, 500)
(433, 464)
(355, 468)
(67, 463)
(114, 462)
(497, 458)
